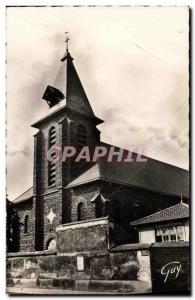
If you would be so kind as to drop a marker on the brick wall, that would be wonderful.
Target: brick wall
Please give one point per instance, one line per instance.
(52, 203)
(126, 203)
(83, 194)
(27, 240)
(62, 203)
(130, 203)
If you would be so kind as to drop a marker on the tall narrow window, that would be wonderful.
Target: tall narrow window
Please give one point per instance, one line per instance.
(98, 209)
(51, 164)
(81, 135)
(80, 212)
(26, 225)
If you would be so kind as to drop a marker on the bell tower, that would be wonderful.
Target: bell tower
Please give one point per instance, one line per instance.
(70, 121)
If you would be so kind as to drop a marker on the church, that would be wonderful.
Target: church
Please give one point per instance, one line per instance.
(71, 192)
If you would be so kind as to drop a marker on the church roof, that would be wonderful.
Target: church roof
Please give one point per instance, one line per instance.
(24, 196)
(178, 211)
(152, 175)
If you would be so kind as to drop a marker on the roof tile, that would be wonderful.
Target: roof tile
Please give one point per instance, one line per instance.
(178, 211)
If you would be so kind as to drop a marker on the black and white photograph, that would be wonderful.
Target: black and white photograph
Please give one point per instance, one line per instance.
(97, 150)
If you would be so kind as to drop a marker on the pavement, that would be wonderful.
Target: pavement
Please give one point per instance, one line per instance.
(40, 291)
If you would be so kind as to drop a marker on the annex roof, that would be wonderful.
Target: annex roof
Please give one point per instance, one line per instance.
(178, 211)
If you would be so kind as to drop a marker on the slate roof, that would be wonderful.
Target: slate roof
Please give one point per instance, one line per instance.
(152, 175)
(25, 196)
(68, 83)
(178, 211)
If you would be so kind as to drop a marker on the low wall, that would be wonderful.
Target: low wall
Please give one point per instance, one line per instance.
(83, 257)
(87, 266)
(170, 266)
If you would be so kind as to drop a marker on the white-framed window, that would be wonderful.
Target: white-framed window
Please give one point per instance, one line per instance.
(170, 234)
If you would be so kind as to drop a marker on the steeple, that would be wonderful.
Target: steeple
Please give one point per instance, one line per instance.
(67, 86)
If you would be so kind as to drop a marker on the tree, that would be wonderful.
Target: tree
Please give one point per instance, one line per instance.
(12, 227)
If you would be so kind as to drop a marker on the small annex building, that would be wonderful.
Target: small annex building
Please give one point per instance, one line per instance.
(168, 225)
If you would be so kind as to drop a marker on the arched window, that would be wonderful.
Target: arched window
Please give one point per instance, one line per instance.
(51, 244)
(51, 164)
(26, 225)
(81, 135)
(80, 211)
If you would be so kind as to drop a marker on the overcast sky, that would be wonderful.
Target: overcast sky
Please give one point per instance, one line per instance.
(133, 64)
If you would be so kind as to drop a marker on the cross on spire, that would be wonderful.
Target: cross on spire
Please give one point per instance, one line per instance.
(67, 40)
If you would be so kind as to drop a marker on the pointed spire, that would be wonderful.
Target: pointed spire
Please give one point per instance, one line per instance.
(67, 85)
(181, 200)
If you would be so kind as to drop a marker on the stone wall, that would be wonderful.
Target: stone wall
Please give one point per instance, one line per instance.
(83, 252)
(129, 203)
(55, 198)
(26, 240)
(125, 268)
(84, 236)
(110, 266)
(84, 255)
(52, 205)
(66, 124)
(126, 203)
(83, 194)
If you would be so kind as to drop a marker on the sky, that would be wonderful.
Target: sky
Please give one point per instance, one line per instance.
(132, 62)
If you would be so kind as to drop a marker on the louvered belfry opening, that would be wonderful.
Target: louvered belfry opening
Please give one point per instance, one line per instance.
(51, 164)
(81, 135)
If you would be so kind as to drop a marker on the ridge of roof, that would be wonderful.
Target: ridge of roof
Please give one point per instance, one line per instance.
(148, 157)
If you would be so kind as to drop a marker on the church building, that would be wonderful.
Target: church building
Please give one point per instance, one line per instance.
(70, 191)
